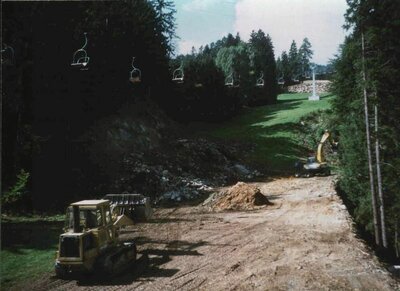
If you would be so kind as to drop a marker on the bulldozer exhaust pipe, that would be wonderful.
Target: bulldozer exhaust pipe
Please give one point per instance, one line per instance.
(75, 214)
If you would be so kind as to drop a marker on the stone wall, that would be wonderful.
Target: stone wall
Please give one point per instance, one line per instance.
(321, 86)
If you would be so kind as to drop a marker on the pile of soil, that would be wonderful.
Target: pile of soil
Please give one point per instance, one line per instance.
(241, 196)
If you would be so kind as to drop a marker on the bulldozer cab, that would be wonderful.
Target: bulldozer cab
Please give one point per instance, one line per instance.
(88, 218)
(88, 214)
(91, 218)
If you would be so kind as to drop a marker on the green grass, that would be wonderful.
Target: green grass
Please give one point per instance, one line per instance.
(273, 129)
(28, 248)
(32, 218)
(17, 267)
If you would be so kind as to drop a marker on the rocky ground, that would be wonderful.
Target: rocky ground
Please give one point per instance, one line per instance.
(185, 170)
(142, 150)
(304, 240)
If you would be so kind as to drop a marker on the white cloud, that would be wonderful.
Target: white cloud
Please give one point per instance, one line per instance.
(198, 5)
(286, 20)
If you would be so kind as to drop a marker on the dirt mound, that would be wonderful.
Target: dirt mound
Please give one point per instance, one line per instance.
(241, 196)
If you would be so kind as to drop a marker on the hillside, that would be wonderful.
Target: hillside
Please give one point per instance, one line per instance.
(273, 131)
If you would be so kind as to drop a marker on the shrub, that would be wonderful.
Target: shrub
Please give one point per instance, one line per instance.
(11, 199)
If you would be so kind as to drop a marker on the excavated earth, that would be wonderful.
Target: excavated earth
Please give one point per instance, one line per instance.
(305, 240)
(241, 196)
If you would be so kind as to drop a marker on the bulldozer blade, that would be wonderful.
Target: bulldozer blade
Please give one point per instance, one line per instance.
(135, 206)
(123, 220)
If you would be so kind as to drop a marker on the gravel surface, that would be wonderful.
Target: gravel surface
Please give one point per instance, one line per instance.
(304, 241)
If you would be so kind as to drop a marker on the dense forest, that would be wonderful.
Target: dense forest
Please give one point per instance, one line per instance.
(366, 112)
(49, 104)
(55, 114)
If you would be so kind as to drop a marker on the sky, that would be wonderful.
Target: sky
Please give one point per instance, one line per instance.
(200, 22)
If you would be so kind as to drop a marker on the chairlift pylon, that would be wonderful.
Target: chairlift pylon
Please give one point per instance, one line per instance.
(80, 58)
(7, 55)
(260, 81)
(178, 75)
(135, 75)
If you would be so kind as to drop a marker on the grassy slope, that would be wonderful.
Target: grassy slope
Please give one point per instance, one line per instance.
(273, 130)
(28, 248)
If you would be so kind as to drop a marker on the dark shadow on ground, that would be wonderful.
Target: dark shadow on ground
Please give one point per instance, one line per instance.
(40, 235)
(149, 263)
(193, 202)
(274, 197)
(386, 256)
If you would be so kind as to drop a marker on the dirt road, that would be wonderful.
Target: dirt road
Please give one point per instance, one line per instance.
(305, 241)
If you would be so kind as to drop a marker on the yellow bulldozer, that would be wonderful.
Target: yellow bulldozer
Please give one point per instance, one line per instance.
(90, 240)
(316, 165)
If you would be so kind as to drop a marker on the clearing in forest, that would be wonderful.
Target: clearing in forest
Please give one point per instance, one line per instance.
(273, 129)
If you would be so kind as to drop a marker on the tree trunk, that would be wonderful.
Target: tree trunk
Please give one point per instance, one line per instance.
(379, 179)
(370, 168)
(396, 243)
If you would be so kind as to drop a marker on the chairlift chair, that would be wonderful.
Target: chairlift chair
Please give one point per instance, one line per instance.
(7, 55)
(307, 76)
(135, 75)
(80, 58)
(260, 81)
(178, 75)
(229, 80)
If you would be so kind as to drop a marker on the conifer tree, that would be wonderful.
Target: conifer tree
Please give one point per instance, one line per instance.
(263, 60)
(285, 67)
(294, 61)
(374, 23)
(305, 55)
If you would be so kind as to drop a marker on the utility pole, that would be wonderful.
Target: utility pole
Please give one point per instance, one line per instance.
(370, 168)
(379, 179)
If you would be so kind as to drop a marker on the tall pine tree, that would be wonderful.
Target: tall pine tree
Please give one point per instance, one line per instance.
(263, 61)
(305, 56)
(294, 62)
(376, 22)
